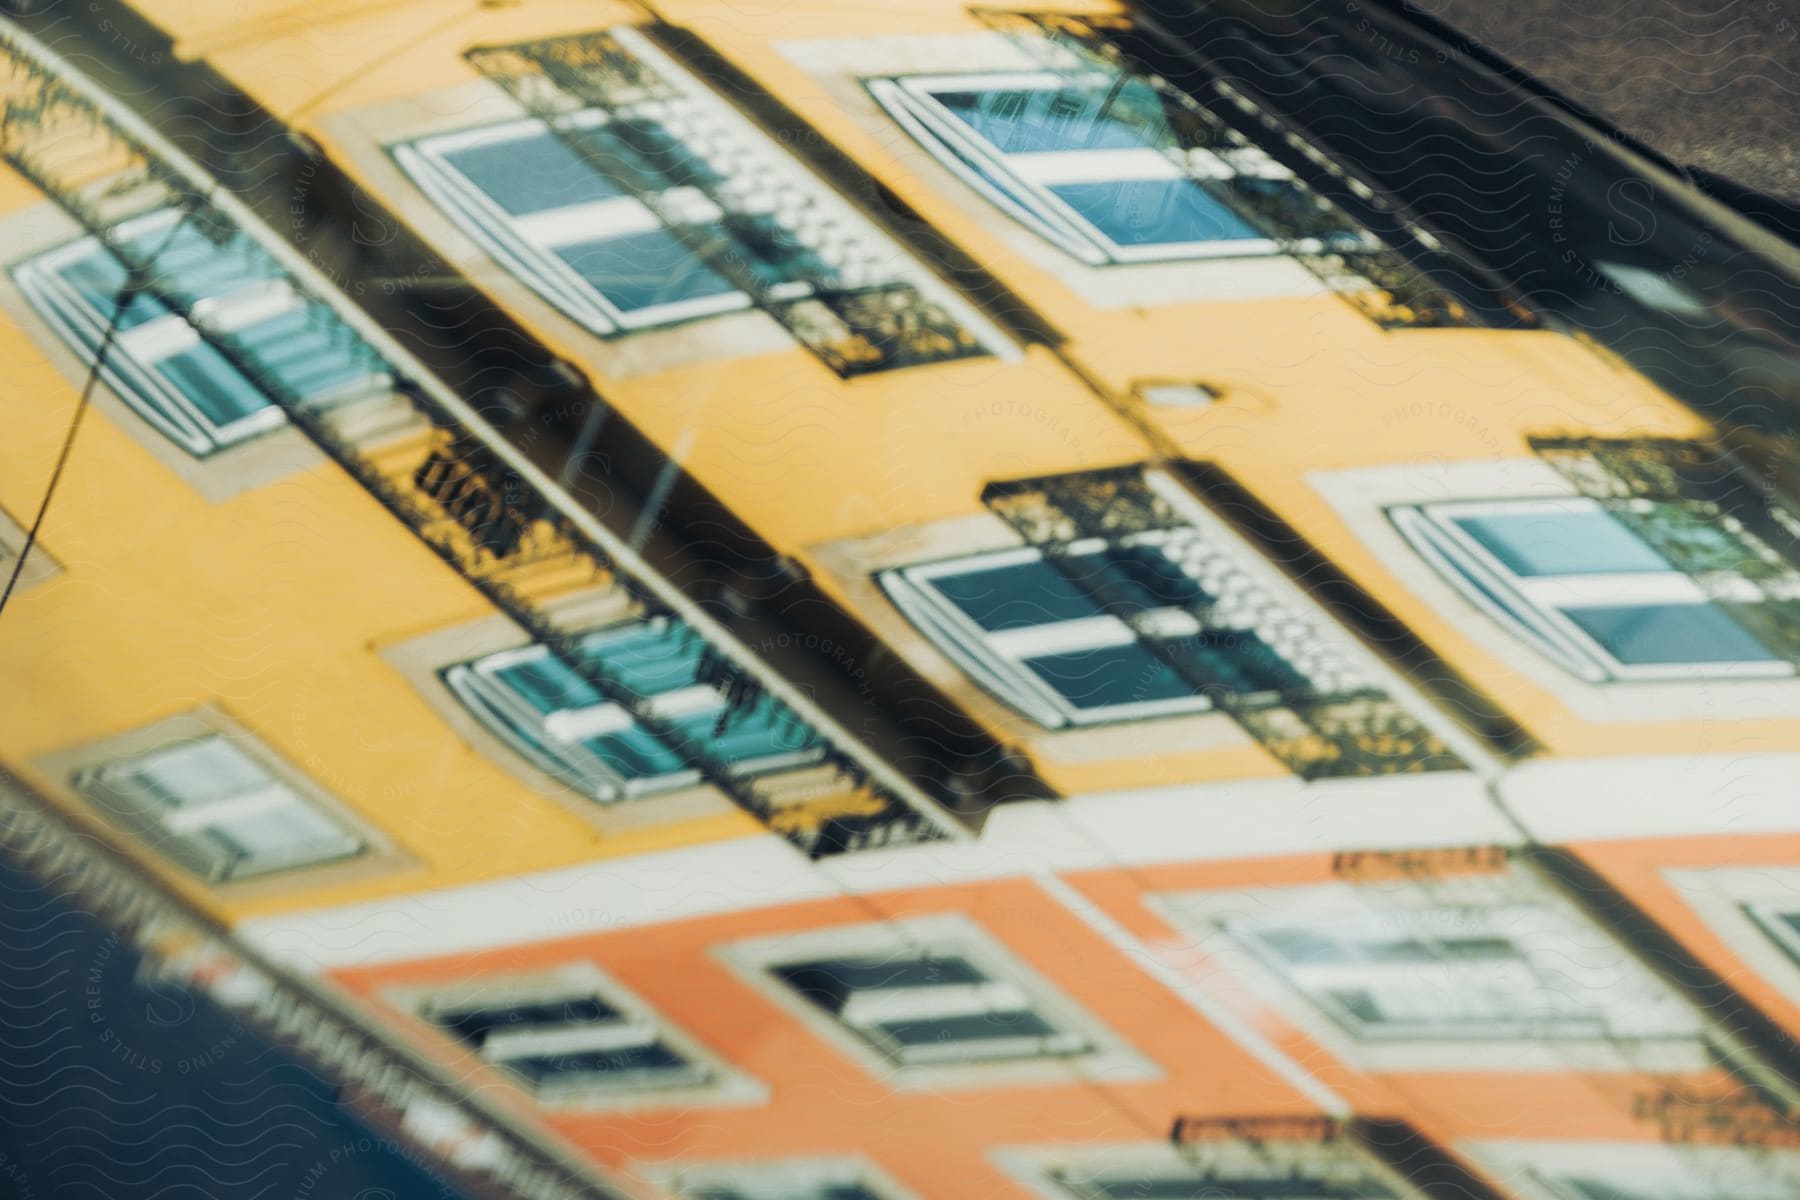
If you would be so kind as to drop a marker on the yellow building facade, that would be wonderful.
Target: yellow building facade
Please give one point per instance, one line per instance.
(1090, 523)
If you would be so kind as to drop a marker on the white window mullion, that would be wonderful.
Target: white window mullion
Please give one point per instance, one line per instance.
(244, 307)
(934, 126)
(572, 725)
(157, 339)
(1062, 637)
(1052, 167)
(1622, 589)
(196, 818)
(574, 1038)
(889, 1006)
(617, 216)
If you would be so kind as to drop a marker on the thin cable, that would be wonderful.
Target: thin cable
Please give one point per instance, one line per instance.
(128, 291)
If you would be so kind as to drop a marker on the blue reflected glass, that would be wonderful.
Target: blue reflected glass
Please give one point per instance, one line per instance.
(635, 753)
(531, 174)
(193, 267)
(649, 658)
(549, 686)
(1552, 542)
(644, 270)
(1650, 634)
(97, 278)
(763, 729)
(1017, 596)
(305, 352)
(1238, 661)
(215, 387)
(1042, 120)
(1108, 676)
(1146, 212)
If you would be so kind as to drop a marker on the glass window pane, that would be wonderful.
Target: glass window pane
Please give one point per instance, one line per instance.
(1151, 212)
(1016, 596)
(1594, 1189)
(304, 351)
(291, 834)
(764, 729)
(194, 267)
(669, 160)
(1239, 661)
(635, 753)
(1039, 120)
(644, 270)
(97, 278)
(1560, 542)
(545, 683)
(1109, 676)
(1147, 577)
(1226, 1187)
(830, 983)
(199, 772)
(650, 657)
(625, 1065)
(531, 174)
(475, 1025)
(215, 387)
(1670, 633)
(979, 1027)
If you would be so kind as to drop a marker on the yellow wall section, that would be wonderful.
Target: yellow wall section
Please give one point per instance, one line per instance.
(273, 606)
(1310, 384)
(275, 603)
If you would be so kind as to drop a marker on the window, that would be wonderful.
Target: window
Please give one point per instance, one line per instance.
(1227, 1164)
(218, 809)
(580, 239)
(1074, 639)
(1477, 959)
(932, 1002)
(1780, 923)
(561, 723)
(1193, 1183)
(1567, 1170)
(834, 1179)
(568, 1036)
(850, 1190)
(1584, 589)
(1444, 973)
(1090, 162)
(919, 1007)
(169, 369)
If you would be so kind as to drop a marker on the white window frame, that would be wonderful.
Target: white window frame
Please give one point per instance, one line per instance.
(784, 1179)
(1103, 1054)
(108, 785)
(499, 709)
(865, 1011)
(1442, 975)
(703, 1079)
(132, 367)
(910, 100)
(1431, 530)
(527, 244)
(1766, 916)
(1541, 1170)
(1046, 1171)
(1641, 1023)
(1738, 904)
(997, 659)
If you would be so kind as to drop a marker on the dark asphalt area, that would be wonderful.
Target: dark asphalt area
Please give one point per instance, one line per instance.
(1709, 83)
